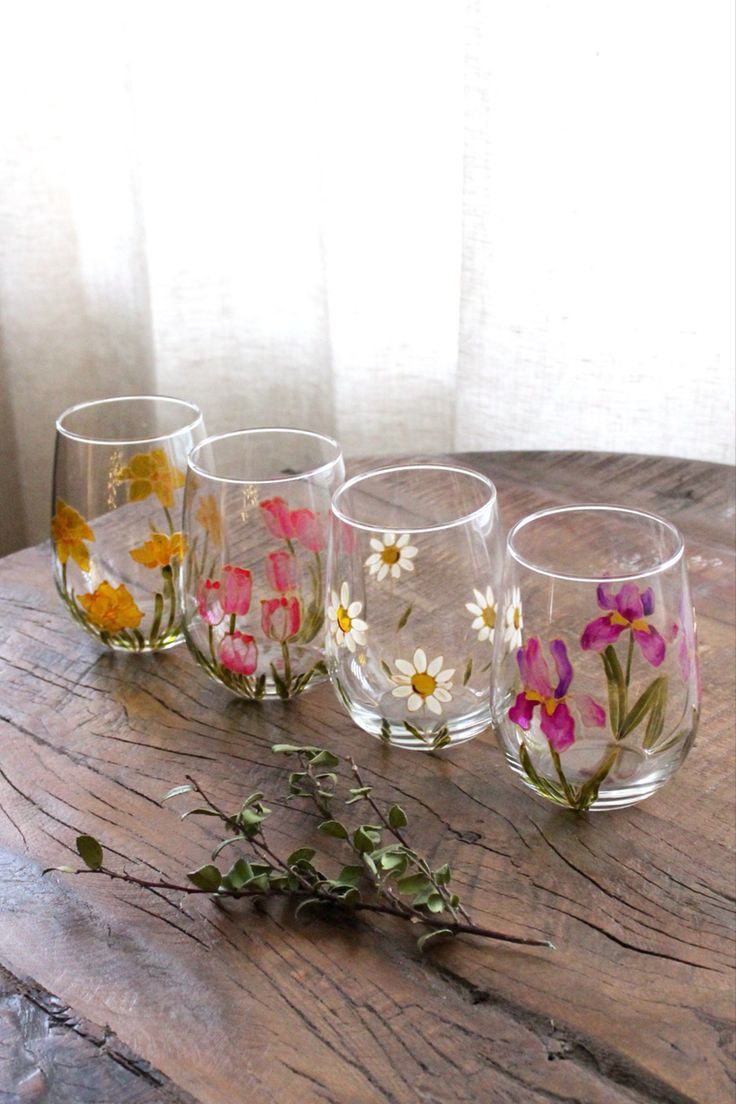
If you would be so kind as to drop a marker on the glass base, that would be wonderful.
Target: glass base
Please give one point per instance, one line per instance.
(272, 680)
(421, 733)
(616, 796)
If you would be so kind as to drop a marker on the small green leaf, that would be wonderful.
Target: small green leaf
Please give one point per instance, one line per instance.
(224, 843)
(438, 933)
(240, 872)
(413, 883)
(307, 904)
(203, 811)
(363, 841)
(387, 670)
(285, 749)
(302, 854)
(442, 876)
(435, 903)
(441, 738)
(351, 897)
(325, 759)
(468, 671)
(61, 870)
(397, 817)
(207, 877)
(350, 875)
(404, 617)
(358, 794)
(177, 790)
(90, 851)
(333, 828)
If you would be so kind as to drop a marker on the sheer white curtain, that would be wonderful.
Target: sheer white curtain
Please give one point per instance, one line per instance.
(420, 226)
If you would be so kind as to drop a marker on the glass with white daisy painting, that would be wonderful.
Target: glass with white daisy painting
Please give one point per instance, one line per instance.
(414, 569)
(596, 692)
(256, 510)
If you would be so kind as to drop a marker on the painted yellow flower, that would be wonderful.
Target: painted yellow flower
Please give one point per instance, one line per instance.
(423, 683)
(69, 531)
(160, 550)
(513, 621)
(390, 556)
(208, 516)
(345, 625)
(110, 608)
(484, 613)
(151, 473)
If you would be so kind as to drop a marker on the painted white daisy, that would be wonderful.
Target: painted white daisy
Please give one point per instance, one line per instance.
(484, 613)
(391, 555)
(513, 622)
(345, 625)
(423, 683)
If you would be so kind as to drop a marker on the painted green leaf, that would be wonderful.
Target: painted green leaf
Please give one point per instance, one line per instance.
(641, 707)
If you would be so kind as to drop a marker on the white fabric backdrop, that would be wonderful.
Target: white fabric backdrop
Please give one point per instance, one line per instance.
(416, 225)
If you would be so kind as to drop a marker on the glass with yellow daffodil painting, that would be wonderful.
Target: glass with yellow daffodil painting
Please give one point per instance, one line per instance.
(414, 571)
(119, 471)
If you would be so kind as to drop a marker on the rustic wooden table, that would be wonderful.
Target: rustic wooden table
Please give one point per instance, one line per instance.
(109, 993)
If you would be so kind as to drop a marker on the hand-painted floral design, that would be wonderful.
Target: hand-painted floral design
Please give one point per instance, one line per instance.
(111, 609)
(513, 621)
(281, 572)
(391, 555)
(483, 610)
(308, 529)
(423, 683)
(556, 721)
(160, 551)
(344, 620)
(151, 473)
(239, 653)
(208, 516)
(627, 609)
(69, 531)
(280, 618)
(236, 590)
(277, 518)
(209, 601)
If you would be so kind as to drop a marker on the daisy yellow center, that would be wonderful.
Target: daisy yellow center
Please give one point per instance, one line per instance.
(423, 684)
(517, 617)
(343, 620)
(391, 554)
(489, 617)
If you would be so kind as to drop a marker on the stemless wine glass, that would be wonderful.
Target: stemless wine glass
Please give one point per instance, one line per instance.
(119, 467)
(415, 562)
(595, 674)
(255, 523)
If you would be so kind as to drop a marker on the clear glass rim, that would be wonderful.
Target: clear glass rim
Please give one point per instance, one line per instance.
(454, 523)
(609, 508)
(318, 469)
(189, 427)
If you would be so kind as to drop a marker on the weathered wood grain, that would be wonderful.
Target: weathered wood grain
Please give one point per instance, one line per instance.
(636, 1004)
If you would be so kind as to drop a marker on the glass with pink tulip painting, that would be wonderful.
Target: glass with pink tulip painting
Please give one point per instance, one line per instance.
(255, 521)
(596, 692)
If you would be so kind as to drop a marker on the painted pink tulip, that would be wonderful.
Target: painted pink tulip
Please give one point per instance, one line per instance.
(627, 609)
(281, 571)
(238, 587)
(309, 529)
(277, 519)
(239, 653)
(280, 618)
(556, 720)
(209, 601)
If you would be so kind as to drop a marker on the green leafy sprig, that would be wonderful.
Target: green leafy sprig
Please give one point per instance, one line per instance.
(384, 872)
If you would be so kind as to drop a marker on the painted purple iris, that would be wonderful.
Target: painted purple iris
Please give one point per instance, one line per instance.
(627, 609)
(556, 721)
